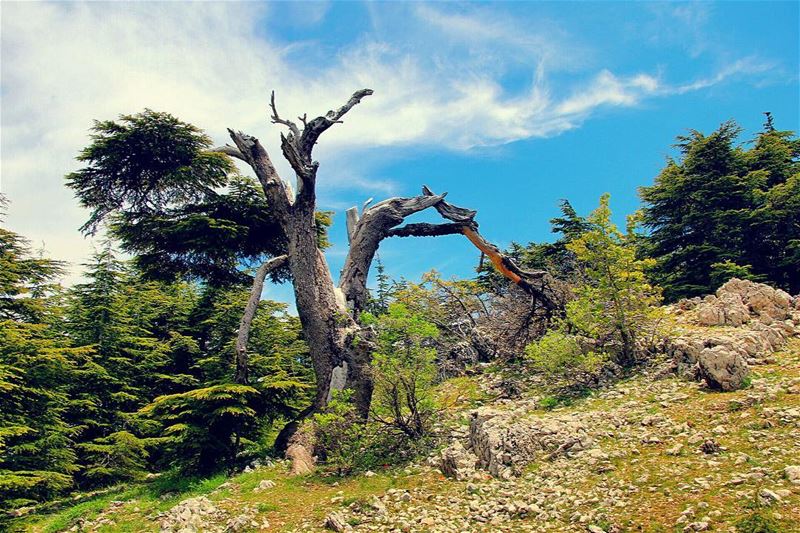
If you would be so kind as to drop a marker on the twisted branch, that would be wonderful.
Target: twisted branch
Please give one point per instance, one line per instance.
(249, 313)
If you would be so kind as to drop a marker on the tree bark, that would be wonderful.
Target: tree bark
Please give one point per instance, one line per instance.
(246, 322)
(381, 221)
(340, 348)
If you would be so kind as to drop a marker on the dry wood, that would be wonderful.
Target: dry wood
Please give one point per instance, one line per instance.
(249, 313)
(334, 337)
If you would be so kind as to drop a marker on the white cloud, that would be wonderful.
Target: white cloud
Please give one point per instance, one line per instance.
(746, 66)
(607, 89)
(210, 64)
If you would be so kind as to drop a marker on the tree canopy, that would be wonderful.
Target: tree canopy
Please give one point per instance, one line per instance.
(722, 206)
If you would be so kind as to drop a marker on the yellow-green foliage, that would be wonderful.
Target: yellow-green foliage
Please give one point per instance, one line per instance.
(616, 303)
(559, 354)
(404, 369)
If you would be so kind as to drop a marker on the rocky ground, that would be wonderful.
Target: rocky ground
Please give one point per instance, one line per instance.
(702, 438)
(651, 455)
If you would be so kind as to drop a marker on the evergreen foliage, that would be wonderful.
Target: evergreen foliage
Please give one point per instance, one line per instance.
(178, 208)
(143, 163)
(617, 305)
(37, 458)
(204, 428)
(725, 209)
(119, 375)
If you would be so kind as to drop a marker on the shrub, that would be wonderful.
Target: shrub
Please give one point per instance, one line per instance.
(559, 355)
(348, 444)
(404, 370)
(549, 402)
(339, 434)
(758, 522)
(616, 304)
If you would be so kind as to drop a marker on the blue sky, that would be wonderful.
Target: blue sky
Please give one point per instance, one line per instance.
(507, 106)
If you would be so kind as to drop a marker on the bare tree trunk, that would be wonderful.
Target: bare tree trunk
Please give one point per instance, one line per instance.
(340, 348)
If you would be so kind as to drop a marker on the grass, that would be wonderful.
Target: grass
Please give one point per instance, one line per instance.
(459, 393)
(302, 502)
(154, 496)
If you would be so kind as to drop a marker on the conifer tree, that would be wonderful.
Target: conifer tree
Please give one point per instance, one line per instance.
(722, 209)
(36, 456)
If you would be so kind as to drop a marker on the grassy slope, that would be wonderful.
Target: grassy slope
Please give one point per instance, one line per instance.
(666, 484)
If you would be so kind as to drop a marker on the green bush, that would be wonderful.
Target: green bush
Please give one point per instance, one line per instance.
(758, 522)
(339, 434)
(616, 304)
(549, 402)
(404, 370)
(559, 355)
(348, 444)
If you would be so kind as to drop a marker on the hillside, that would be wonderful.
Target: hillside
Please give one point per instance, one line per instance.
(653, 452)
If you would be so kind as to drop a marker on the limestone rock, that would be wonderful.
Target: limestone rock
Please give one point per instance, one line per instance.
(264, 485)
(738, 300)
(505, 442)
(336, 522)
(722, 368)
(792, 473)
(245, 521)
(724, 310)
(457, 462)
(189, 515)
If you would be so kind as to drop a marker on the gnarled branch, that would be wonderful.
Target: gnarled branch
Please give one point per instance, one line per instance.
(297, 145)
(424, 229)
(229, 150)
(256, 156)
(276, 119)
(316, 127)
(537, 283)
(450, 211)
(381, 221)
(250, 312)
(367, 232)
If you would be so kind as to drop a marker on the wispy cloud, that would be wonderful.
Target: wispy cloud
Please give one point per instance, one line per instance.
(681, 24)
(747, 66)
(441, 85)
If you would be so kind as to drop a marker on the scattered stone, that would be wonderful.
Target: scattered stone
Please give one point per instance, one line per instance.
(710, 446)
(768, 497)
(737, 299)
(336, 522)
(245, 521)
(265, 484)
(726, 309)
(189, 516)
(675, 450)
(792, 473)
(722, 368)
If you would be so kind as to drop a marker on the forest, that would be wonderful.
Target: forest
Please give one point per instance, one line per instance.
(164, 362)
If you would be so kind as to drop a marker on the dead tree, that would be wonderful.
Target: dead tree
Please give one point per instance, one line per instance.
(340, 349)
